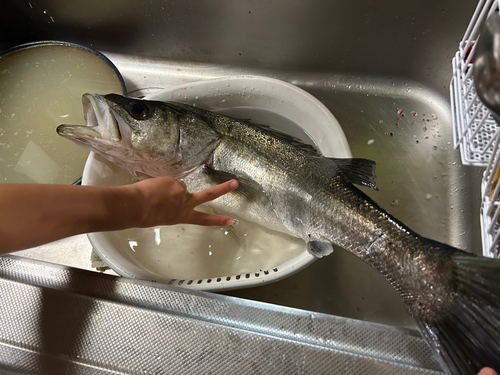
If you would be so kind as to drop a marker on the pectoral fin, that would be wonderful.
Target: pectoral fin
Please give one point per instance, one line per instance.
(248, 190)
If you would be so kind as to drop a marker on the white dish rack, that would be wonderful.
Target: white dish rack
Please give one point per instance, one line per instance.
(490, 206)
(475, 130)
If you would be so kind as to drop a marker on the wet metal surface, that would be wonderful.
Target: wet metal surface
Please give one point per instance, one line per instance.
(365, 61)
(163, 329)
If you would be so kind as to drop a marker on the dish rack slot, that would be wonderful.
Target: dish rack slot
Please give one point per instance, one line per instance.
(475, 131)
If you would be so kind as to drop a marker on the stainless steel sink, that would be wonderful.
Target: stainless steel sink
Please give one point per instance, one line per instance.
(364, 60)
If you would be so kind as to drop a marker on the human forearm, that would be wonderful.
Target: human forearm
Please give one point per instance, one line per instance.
(34, 214)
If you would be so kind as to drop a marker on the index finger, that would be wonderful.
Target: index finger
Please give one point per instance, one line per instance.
(214, 192)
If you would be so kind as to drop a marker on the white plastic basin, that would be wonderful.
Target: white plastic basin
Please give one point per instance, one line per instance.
(215, 258)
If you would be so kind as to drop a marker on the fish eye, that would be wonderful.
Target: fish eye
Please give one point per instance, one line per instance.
(138, 110)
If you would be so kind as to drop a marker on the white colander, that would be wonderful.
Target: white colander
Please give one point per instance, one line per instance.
(262, 98)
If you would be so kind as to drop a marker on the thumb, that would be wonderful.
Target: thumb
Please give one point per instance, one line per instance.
(202, 218)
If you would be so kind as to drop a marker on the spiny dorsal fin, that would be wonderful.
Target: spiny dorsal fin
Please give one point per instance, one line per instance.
(304, 147)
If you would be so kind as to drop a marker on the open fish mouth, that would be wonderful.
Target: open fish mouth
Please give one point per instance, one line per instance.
(108, 133)
(101, 122)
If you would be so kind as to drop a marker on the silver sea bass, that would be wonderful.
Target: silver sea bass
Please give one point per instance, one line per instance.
(286, 185)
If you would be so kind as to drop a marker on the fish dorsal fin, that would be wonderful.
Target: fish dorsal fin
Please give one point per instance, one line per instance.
(304, 147)
(247, 189)
(358, 171)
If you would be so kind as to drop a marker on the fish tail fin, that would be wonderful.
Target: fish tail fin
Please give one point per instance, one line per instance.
(468, 337)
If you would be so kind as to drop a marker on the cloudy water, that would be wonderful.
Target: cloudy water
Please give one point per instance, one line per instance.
(40, 88)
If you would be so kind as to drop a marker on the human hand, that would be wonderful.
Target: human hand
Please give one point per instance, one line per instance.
(165, 201)
(487, 371)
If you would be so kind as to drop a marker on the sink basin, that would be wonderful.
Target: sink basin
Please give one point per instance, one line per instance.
(364, 61)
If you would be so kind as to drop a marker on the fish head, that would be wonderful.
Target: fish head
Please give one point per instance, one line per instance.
(146, 138)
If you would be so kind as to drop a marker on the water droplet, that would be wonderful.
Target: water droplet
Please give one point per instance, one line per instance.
(132, 245)
(157, 236)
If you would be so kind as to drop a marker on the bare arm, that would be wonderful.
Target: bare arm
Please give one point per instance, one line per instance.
(32, 214)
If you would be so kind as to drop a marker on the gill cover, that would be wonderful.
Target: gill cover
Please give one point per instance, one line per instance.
(146, 138)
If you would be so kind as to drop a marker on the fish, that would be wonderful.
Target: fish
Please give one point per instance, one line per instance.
(288, 186)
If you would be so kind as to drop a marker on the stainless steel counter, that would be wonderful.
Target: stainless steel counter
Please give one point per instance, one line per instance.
(58, 320)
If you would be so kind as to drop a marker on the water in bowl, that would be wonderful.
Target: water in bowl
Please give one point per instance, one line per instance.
(41, 87)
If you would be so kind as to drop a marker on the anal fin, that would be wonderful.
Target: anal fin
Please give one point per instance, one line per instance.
(319, 248)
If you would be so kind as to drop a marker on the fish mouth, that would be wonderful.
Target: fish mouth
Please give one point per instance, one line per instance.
(101, 122)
